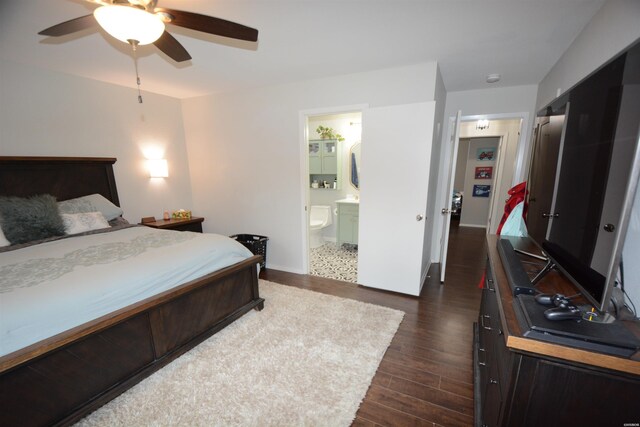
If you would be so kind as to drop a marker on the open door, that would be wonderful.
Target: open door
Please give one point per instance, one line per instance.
(446, 210)
(396, 155)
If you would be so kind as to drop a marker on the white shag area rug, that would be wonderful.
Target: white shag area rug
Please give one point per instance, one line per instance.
(306, 359)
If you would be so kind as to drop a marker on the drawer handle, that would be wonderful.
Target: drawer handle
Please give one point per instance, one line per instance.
(488, 328)
(492, 381)
(481, 363)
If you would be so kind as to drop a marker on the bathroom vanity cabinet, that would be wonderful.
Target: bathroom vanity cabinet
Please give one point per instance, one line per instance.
(324, 160)
(348, 217)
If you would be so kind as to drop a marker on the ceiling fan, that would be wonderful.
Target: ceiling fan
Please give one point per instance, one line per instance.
(140, 22)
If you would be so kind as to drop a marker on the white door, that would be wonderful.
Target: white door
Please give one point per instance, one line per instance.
(454, 141)
(396, 155)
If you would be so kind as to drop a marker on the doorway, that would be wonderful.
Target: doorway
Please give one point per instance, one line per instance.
(333, 194)
(474, 180)
(502, 137)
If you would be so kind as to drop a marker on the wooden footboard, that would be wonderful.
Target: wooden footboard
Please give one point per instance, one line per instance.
(63, 378)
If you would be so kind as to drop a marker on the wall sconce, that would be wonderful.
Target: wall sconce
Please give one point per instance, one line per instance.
(482, 124)
(158, 168)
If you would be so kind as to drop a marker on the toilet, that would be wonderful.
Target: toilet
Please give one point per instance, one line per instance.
(319, 218)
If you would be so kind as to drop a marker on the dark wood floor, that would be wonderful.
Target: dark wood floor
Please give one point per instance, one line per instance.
(425, 377)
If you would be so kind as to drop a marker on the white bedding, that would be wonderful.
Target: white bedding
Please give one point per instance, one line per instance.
(51, 287)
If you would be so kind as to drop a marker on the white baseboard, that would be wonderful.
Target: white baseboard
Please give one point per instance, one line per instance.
(472, 225)
(282, 268)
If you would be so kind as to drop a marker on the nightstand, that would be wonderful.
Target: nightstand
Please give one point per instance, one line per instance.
(193, 224)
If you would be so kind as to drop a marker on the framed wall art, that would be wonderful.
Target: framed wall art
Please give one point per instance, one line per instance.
(484, 172)
(481, 190)
(486, 154)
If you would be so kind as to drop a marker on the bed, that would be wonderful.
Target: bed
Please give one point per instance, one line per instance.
(58, 377)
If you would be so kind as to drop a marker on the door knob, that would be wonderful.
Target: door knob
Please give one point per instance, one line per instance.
(445, 211)
(419, 217)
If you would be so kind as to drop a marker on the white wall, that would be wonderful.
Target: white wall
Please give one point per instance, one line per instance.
(245, 147)
(461, 164)
(611, 30)
(43, 113)
(485, 102)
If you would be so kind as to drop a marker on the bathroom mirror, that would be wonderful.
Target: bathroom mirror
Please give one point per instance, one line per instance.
(354, 165)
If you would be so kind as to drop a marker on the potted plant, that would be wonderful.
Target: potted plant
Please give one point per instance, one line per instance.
(328, 133)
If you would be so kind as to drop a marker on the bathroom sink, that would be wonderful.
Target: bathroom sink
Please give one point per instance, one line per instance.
(355, 201)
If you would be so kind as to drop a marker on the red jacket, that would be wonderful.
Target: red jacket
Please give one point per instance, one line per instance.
(517, 194)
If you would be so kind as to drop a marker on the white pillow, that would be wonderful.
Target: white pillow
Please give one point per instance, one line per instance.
(81, 222)
(3, 240)
(90, 203)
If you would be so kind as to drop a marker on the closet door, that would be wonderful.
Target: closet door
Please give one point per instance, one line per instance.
(396, 154)
(542, 175)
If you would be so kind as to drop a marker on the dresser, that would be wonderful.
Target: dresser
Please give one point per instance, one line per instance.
(520, 381)
(348, 217)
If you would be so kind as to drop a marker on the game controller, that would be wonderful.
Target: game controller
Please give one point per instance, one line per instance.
(545, 299)
(563, 313)
(556, 300)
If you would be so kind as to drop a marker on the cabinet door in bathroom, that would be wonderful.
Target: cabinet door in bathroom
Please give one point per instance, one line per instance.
(330, 157)
(323, 157)
(347, 227)
(315, 158)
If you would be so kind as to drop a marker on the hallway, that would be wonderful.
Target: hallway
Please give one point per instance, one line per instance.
(426, 376)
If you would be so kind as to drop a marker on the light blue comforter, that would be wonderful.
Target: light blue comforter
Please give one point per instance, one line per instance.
(54, 286)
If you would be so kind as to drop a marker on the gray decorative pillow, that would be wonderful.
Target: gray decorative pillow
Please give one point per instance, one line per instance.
(24, 220)
(3, 240)
(90, 203)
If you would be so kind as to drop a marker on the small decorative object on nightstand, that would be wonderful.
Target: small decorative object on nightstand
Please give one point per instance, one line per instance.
(192, 224)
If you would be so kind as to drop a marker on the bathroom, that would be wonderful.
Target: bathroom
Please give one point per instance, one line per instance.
(334, 194)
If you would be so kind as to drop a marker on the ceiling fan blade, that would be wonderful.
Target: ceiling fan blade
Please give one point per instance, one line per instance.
(70, 26)
(211, 25)
(172, 47)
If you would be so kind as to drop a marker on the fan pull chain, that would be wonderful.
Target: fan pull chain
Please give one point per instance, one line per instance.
(134, 45)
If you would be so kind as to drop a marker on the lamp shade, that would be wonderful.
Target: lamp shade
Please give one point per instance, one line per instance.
(158, 168)
(129, 23)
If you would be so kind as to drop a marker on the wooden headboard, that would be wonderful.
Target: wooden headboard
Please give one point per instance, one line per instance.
(63, 177)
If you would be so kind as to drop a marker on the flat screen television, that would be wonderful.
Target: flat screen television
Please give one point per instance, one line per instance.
(596, 174)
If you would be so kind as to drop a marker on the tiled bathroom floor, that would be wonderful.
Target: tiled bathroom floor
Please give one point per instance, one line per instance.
(334, 263)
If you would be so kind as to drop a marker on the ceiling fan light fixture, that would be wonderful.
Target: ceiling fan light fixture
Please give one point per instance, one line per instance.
(129, 23)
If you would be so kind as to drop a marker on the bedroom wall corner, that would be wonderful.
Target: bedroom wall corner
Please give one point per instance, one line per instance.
(45, 113)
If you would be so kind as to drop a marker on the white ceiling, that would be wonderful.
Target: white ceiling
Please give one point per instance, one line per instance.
(307, 39)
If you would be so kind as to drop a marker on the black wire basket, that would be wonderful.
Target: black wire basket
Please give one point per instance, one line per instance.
(255, 243)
